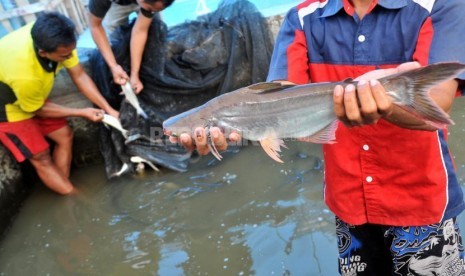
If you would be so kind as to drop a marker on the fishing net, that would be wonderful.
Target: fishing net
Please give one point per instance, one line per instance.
(182, 67)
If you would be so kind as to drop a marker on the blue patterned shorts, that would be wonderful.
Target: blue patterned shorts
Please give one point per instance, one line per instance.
(370, 249)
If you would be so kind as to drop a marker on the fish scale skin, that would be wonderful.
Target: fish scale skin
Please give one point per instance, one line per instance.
(256, 119)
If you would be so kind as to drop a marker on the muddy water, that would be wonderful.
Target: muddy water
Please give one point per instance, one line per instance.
(246, 215)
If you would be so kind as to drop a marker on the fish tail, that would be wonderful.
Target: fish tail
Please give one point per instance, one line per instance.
(142, 113)
(124, 133)
(416, 84)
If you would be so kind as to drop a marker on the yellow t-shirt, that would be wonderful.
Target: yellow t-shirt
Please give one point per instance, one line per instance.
(21, 70)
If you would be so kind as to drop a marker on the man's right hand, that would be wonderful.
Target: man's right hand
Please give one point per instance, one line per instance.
(119, 75)
(199, 141)
(92, 114)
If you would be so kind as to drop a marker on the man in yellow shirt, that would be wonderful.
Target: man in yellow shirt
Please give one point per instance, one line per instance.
(30, 58)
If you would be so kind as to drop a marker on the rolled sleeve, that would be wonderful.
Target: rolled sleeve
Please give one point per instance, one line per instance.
(99, 7)
(72, 61)
(147, 13)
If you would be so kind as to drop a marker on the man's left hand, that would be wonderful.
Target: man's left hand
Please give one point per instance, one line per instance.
(136, 84)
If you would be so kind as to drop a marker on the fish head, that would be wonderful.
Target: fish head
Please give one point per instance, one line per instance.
(187, 122)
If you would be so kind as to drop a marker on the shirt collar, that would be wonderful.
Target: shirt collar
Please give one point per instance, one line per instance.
(48, 65)
(392, 4)
(333, 7)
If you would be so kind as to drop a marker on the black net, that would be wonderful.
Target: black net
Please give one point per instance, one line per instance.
(182, 67)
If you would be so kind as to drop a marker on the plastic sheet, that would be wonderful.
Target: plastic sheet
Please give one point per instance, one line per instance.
(182, 68)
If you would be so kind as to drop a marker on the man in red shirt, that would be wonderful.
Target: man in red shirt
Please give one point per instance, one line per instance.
(390, 178)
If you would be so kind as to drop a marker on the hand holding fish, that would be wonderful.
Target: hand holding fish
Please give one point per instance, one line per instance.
(112, 112)
(92, 114)
(361, 104)
(367, 101)
(136, 83)
(200, 141)
(119, 75)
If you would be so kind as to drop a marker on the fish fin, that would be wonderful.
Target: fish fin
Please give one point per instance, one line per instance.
(138, 160)
(348, 80)
(123, 170)
(212, 147)
(152, 166)
(214, 151)
(265, 87)
(416, 114)
(272, 147)
(417, 83)
(124, 133)
(327, 135)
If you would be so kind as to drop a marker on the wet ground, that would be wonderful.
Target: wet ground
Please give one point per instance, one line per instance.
(246, 215)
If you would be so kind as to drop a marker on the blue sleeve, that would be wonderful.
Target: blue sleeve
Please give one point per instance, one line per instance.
(279, 60)
(449, 33)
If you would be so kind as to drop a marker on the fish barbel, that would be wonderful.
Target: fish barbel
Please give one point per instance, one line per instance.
(270, 112)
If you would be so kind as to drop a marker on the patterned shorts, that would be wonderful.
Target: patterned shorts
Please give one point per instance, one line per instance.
(370, 249)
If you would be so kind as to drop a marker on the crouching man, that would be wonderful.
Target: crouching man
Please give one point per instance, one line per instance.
(30, 58)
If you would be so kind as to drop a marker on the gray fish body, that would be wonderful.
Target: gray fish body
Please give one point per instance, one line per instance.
(295, 112)
(274, 111)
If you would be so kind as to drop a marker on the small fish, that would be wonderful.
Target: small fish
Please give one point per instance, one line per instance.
(115, 123)
(138, 160)
(271, 112)
(123, 170)
(132, 99)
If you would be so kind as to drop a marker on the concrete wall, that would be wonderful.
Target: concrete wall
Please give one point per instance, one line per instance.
(12, 189)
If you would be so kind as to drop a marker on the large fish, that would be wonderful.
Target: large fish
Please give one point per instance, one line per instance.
(132, 99)
(271, 112)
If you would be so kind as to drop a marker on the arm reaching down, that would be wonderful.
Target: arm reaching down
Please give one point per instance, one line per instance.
(100, 38)
(87, 87)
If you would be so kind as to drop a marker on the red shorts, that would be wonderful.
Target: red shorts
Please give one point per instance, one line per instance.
(27, 138)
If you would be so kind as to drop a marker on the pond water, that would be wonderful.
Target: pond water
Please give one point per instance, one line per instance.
(245, 215)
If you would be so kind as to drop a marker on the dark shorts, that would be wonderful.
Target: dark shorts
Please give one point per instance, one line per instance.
(369, 249)
(27, 138)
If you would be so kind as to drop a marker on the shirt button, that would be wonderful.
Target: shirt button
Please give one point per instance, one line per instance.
(369, 179)
(361, 38)
(366, 147)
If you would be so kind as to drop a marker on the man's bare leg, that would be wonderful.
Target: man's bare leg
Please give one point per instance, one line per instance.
(62, 152)
(50, 174)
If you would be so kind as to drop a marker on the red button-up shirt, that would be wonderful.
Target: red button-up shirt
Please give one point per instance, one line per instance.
(381, 173)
